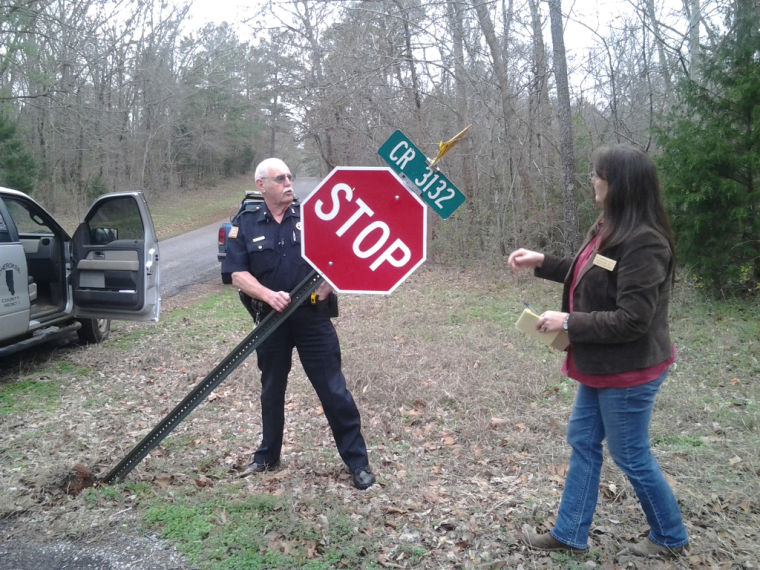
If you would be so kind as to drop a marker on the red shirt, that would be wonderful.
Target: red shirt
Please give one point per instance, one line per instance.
(621, 379)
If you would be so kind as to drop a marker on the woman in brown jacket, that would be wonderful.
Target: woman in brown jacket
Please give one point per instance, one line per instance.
(615, 311)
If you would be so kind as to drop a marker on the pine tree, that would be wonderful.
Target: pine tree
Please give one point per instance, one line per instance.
(17, 167)
(710, 162)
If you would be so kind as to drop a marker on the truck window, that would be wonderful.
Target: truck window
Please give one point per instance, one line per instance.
(5, 233)
(27, 221)
(115, 219)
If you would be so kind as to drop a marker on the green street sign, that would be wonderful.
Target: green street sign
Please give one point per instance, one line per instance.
(409, 162)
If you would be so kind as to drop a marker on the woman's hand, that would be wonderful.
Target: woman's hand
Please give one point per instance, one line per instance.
(525, 258)
(550, 321)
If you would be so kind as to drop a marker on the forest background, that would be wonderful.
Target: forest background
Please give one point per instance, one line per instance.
(100, 96)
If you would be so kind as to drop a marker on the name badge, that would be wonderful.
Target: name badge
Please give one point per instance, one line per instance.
(260, 238)
(604, 262)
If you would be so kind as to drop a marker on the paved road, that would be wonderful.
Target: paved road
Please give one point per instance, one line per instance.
(187, 259)
(191, 257)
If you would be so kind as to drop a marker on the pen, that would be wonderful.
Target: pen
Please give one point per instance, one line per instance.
(530, 308)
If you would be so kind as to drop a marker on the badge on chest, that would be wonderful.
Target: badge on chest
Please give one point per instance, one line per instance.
(604, 262)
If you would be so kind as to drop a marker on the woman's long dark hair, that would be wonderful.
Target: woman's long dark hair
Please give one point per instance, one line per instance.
(634, 197)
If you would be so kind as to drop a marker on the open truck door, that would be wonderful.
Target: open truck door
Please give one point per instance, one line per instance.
(115, 272)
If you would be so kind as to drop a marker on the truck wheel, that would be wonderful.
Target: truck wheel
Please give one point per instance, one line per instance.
(94, 330)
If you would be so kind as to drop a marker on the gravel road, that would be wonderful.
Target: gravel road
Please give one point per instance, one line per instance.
(114, 551)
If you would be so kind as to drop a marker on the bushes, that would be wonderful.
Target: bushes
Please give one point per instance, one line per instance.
(711, 162)
(17, 167)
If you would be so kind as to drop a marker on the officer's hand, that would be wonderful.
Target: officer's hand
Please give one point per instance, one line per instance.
(323, 290)
(278, 300)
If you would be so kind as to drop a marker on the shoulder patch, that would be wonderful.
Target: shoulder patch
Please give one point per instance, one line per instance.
(233, 233)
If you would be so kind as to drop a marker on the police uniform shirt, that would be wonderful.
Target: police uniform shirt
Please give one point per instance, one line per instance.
(271, 252)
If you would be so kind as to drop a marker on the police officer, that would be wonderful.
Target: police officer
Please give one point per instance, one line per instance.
(264, 260)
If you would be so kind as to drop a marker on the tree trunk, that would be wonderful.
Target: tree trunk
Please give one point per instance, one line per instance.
(409, 58)
(692, 9)
(539, 111)
(571, 238)
(661, 56)
(460, 80)
(515, 180)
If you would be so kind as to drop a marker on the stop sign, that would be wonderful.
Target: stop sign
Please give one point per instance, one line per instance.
(363, 230)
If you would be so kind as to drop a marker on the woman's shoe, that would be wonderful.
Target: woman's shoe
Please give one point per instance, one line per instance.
(649, 548)
(546, 542)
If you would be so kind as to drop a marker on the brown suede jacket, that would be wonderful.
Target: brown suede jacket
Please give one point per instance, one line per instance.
(620, 316)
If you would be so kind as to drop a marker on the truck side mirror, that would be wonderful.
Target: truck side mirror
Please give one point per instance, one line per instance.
(102, 236)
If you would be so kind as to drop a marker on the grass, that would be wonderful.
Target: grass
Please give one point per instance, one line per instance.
(26, 396)
(684, 442)
(183, 210)
(464, 419)
(188, 210)
(217, 530)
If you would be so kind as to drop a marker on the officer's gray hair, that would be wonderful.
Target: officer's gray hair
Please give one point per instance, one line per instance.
(263, 168)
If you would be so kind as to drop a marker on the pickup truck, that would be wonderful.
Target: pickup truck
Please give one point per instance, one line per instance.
(53, 284)
(251, 197)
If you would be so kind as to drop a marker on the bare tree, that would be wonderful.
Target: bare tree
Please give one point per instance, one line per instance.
(409, 59)
(511, 174)
(692, 10)
(570, 206)
(455, 16)
(539, 110)
(653, 22)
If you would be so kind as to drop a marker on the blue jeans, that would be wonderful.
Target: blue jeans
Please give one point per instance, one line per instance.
(621, 415)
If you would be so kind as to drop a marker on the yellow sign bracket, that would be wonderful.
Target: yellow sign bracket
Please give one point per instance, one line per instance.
(445, 147)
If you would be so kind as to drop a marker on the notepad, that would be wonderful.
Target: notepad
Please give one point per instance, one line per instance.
(527, 324)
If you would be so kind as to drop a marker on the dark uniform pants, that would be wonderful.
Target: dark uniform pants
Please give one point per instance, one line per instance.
(314, 336)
